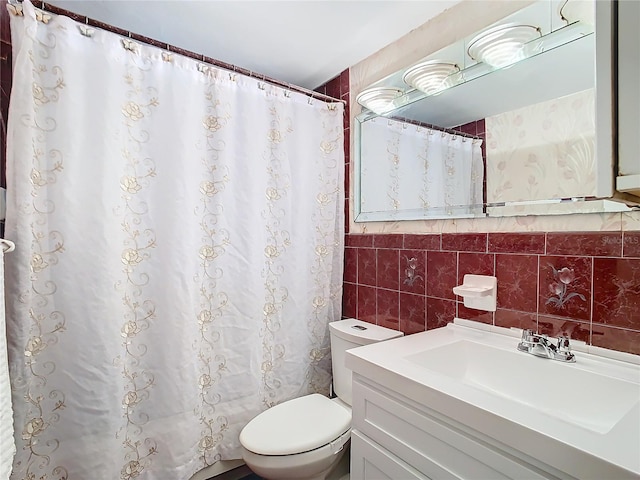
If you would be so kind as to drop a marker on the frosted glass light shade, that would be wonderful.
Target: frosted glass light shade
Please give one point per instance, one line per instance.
(433, 76)
(379, 99)
(505, 44)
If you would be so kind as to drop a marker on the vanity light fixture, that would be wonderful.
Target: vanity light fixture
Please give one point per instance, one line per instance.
(433, 76)
(380, 100)
(505, 44)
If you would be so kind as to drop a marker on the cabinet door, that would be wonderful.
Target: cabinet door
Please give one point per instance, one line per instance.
(433, 446)
(628, 97)
(371, 462)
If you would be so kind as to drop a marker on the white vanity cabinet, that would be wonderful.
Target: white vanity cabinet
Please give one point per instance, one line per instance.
(463, 402)
(628, 179)
(394, 438)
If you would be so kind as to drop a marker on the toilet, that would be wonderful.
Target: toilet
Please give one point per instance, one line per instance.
(305, 438)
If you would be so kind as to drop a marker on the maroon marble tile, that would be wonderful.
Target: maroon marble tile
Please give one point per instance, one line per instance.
(388, 269)
(631, 244)
(387, 241)
(469, 128)
(347, 216)
(332, 88)
(344, 82)
(347, 136)
(366, 310)
(388, 308)
(413, 313)
(351, 265)
(441, 274)
(346, 179)
(512, 318)
(413, 271)
(474, 263)
(439, 312)
(465, 242)
(517, 282)
(6, 74)
(607, 244)
(473, 314)
(555, 327)
(349, 300)
(422, 242)
(359, 240)
(367, 266)
(565, 287)
(516, 242)
(616, 339)
(616, 292)
(5, 20)
(480, 127)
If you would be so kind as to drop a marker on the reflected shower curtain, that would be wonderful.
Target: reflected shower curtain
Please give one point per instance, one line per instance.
(179, 242)
(411, 168)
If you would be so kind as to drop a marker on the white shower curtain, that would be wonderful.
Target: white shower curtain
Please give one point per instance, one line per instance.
(179, 243)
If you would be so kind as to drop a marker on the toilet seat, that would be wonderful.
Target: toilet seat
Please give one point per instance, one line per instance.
(298, 426)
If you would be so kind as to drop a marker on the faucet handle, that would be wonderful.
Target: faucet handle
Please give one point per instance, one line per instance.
(563, 344)
(527, 335)
(563, 350)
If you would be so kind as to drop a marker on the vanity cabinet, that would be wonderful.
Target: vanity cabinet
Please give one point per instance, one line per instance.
(628, 97)
(393, 437)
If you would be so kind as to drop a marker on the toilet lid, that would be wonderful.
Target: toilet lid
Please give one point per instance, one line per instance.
(296, 426)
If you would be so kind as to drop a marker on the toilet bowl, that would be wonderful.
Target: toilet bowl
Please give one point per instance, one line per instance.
(305, 438)
(302, 438)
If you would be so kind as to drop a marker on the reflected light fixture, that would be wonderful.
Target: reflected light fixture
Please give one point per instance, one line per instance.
(380, 100)
(505, 44)
(433, 76)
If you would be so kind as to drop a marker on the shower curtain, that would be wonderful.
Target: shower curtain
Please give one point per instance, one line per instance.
(179, 247)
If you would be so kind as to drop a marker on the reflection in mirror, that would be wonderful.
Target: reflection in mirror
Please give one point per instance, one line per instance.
(529, 113)
(440, 173)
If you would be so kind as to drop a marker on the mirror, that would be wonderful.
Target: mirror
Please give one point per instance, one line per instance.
(460, 134)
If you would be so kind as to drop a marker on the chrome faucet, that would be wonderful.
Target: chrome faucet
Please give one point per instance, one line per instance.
(542, 346)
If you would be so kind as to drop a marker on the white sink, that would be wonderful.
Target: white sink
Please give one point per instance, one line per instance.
(563, 390)
(581, 417)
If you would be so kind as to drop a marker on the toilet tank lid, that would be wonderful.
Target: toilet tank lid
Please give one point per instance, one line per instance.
(362, 333)
(296, 426)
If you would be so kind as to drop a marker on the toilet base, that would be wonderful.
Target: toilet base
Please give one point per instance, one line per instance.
(317, 464)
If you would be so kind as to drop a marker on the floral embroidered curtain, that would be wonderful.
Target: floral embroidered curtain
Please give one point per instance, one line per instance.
(409, 170)
(179, 248)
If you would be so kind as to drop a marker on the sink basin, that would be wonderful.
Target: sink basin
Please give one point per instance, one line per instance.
(565, 391)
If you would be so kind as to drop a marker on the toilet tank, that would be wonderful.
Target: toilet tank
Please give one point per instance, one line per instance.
(351, 333)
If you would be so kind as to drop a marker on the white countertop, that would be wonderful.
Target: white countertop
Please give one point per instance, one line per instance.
(585, 446)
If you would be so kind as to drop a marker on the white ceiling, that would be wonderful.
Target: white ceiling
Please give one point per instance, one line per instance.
(305, 43)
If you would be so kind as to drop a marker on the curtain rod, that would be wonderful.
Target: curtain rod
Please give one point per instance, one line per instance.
(451, 131)
(187, 53)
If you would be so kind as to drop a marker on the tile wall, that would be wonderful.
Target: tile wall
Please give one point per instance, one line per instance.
(585, 285)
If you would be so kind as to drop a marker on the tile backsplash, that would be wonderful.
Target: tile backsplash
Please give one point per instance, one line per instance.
(585, 285)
